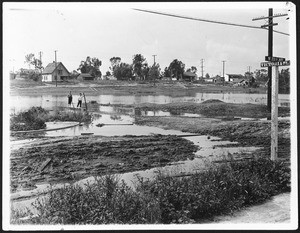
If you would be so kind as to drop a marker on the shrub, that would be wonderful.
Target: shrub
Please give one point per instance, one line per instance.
(218, 190)
(32, 119)
(106, 201)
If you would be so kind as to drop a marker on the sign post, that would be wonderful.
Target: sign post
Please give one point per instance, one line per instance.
(274, 113)
(274, 63)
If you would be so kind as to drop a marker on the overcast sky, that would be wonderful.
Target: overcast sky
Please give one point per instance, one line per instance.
(105, 30)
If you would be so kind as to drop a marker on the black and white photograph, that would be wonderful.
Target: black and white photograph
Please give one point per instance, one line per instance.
(149, 116)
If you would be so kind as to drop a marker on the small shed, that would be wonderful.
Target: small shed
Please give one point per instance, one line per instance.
(189, 76)
(53, 70)
(85, 77)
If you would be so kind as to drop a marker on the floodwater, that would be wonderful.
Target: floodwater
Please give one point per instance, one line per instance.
(21, 103)
(119, 121)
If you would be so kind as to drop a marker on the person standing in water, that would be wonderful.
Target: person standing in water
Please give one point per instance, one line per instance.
(79, 100)
(70, 98)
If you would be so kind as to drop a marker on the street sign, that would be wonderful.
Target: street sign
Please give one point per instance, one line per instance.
(278, 63)
(268, 58)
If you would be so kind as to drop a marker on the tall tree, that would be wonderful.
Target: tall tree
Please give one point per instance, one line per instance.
(154, 73)
(115, 62)
(31, 60)
(176, 68)
(261, 75)
(166, 72)
(123, 71)
(138, 63)
(193, 69)
(284, 81)
(91, 66)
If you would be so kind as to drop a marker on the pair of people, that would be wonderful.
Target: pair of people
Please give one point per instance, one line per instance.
(70, 99)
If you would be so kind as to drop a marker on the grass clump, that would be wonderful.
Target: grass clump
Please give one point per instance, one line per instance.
(36, 117)
(221, 189)
(70, 116)
(32, 119)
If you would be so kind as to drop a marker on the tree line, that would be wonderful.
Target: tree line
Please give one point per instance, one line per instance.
(139, 69)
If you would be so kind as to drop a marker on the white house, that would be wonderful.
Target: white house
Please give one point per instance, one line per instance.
(233, 77)
(51, 71)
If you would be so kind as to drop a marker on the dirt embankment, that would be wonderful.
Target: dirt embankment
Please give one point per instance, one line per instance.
(175, 89)
(75, 158)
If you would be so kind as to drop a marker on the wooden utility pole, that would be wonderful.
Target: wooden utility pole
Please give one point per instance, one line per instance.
(202, 68)
(270, 49)
(274, 117)
(154, 58)
(55, 68)
(223, 72)
(270, 54)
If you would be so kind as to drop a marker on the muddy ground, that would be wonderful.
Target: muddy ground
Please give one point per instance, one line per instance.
(70, 159)
(73, 158)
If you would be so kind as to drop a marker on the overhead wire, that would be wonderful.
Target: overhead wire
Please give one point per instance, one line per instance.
(207, 20)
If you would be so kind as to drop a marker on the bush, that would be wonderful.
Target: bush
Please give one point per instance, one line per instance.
(218, 190)
(106, 201)
(33, 119)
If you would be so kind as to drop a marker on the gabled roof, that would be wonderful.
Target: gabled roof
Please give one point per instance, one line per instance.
(236, 75)
(85, 75)
(50, 68)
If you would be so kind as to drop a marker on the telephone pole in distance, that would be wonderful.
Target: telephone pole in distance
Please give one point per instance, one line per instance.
(154, 58)
(202, 68)
(223, 72)
(55, 68)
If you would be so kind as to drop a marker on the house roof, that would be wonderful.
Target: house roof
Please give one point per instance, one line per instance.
(191, 74)
(235, 75)
(85, 75)
(50, 68)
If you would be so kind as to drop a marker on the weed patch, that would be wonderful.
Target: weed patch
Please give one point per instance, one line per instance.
(221, 189)
(36, 117)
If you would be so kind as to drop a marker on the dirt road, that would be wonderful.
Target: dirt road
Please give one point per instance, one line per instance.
(276, 210)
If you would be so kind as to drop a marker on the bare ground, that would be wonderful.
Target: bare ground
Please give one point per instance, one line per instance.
(70, 159)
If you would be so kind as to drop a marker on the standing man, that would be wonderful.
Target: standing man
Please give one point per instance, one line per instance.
(79, 100)
(70, 98)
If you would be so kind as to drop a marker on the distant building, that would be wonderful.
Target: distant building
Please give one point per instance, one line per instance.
(51, 71)
(189, 76)
(85, 77)
(233, 77)
(23, 74)
(210, 80)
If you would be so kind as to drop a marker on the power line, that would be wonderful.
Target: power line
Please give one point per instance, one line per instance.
(207, 20)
